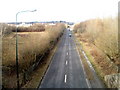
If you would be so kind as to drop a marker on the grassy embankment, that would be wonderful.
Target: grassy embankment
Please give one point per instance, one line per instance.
(99, 39)
(33, 42)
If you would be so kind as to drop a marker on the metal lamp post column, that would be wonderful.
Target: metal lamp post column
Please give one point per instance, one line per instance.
(17, 62)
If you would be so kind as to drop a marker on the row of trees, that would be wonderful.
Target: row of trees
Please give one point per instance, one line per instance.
(7, 29)
(33, 28)
(30, 45)
(30, 49)
(103, 33)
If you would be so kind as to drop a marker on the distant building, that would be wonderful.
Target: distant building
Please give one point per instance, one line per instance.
(25, 24)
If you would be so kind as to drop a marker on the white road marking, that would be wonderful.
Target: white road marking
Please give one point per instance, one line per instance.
(65, 80)
(88, 61)
(66, 62)
(89, 86)
(67, 53)
(88, 83)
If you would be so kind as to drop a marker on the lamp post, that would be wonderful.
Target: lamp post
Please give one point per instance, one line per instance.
(17, 63)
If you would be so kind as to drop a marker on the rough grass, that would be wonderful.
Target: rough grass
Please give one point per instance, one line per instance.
(27, 46)
(31, 46)
(99, 38)
(40, 71)
(86, 66)
(98, 59)
(102, 33)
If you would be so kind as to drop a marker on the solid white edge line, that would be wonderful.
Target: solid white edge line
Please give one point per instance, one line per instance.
(88, 61)
(83, 68)
(87, 82)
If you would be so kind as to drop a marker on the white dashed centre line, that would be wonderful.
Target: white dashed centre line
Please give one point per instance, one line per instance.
(66, 62)
(67, 53)
(65, 79)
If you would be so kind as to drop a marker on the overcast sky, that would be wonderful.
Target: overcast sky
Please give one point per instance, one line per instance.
(66, 10)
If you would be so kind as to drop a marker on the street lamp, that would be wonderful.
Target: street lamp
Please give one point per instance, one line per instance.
(17, 64)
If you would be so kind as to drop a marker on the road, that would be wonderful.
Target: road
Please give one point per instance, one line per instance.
(66, 69)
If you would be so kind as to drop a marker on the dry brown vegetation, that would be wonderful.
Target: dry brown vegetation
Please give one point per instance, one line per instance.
(103, 33)
(31, 46)
(5, 29)
(99, 38)
(33, 28)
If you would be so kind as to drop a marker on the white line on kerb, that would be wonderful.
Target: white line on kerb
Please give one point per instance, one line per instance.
(65, 78)
(89, 86)
(88, 83)
(66, 62)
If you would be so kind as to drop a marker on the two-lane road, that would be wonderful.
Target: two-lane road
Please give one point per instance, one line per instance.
(66, 69)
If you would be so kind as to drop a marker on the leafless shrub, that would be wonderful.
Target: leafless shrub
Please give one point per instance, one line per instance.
(32, 45)
(33, 28)
(103, 33)
(5, 29)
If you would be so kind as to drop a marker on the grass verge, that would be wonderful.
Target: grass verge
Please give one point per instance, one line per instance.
(88, 71)
(38, 74)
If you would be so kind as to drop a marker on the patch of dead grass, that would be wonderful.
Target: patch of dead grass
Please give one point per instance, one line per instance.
(40, 71)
